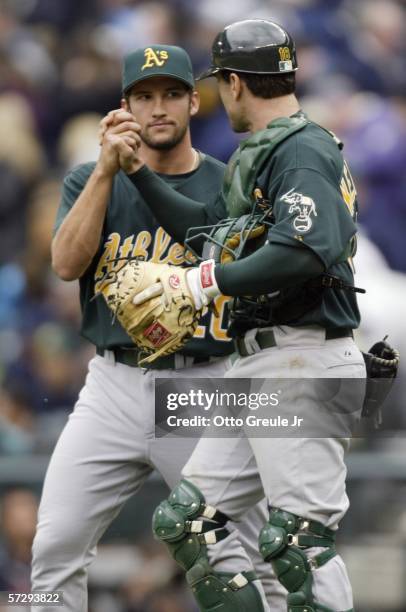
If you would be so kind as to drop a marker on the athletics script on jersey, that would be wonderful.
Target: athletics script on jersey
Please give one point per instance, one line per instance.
(157, 247)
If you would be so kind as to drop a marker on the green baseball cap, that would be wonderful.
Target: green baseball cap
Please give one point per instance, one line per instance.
(157, 60)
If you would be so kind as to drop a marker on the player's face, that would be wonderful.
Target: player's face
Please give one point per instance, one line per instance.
(163, 107)
(233, 104)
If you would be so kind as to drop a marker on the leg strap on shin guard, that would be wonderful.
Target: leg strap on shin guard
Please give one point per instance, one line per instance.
(283, 541)
(186, 524)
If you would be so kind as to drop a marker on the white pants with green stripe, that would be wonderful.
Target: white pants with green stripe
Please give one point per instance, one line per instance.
(305, 476)
(104, 455)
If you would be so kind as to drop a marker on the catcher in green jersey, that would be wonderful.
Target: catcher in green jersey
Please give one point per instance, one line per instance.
(107, 448)
(293, 315)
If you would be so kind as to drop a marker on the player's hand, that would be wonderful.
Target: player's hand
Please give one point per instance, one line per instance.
(120, 119)
(121, 124)
(119, 139)
(107, 122)
(128, 157)
(202, 283)
(112, 148)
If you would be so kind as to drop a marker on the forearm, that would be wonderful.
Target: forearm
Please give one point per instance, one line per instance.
(174, 211)
(78, 237)
(266, 270)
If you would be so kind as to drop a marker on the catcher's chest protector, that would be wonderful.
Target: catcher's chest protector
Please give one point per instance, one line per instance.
(247, 162)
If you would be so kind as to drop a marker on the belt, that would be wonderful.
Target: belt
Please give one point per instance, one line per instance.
(265, 338)
(129, 357)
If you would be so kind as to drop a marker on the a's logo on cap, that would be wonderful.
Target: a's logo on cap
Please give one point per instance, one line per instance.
(154, 58)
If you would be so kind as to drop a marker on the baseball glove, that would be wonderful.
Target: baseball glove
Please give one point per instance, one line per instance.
(154, 305)
(382, 364)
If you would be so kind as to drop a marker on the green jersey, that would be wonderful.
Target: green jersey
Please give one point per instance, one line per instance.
(131, 230)
(300, 170)
(315, 204)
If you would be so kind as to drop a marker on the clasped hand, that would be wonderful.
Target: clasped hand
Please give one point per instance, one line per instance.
(119, 140)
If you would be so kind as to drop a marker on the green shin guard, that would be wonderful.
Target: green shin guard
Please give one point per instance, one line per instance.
(223, 591)
(282, 545)
(186, 524)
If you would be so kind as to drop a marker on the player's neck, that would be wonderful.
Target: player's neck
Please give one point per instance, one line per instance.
(266, 111)
(179, 160)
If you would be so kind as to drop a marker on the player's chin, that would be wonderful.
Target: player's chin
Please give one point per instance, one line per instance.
(238, 125)
(162, 141)
(161, 144)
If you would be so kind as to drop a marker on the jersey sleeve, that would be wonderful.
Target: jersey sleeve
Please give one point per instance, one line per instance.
(180, 212)
(72, 187)
(310, 211)
(216, 211)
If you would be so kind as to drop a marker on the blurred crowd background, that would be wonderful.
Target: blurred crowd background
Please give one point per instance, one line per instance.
(60, 72)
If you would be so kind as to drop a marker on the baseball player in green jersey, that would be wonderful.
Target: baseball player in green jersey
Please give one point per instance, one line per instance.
(107, 449)
(296, 323)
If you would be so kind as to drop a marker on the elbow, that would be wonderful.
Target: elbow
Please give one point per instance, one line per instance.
(62, 267)
(63, 271)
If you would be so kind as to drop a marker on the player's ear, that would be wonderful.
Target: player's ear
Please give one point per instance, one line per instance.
(236, 85)
(194, 103)
(124, 105)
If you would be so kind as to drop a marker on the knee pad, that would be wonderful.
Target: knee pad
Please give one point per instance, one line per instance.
(281, 543)
(186, 524)
(222, 591)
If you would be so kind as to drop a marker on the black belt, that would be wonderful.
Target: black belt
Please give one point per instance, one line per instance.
(129, 357)
(265, 338)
